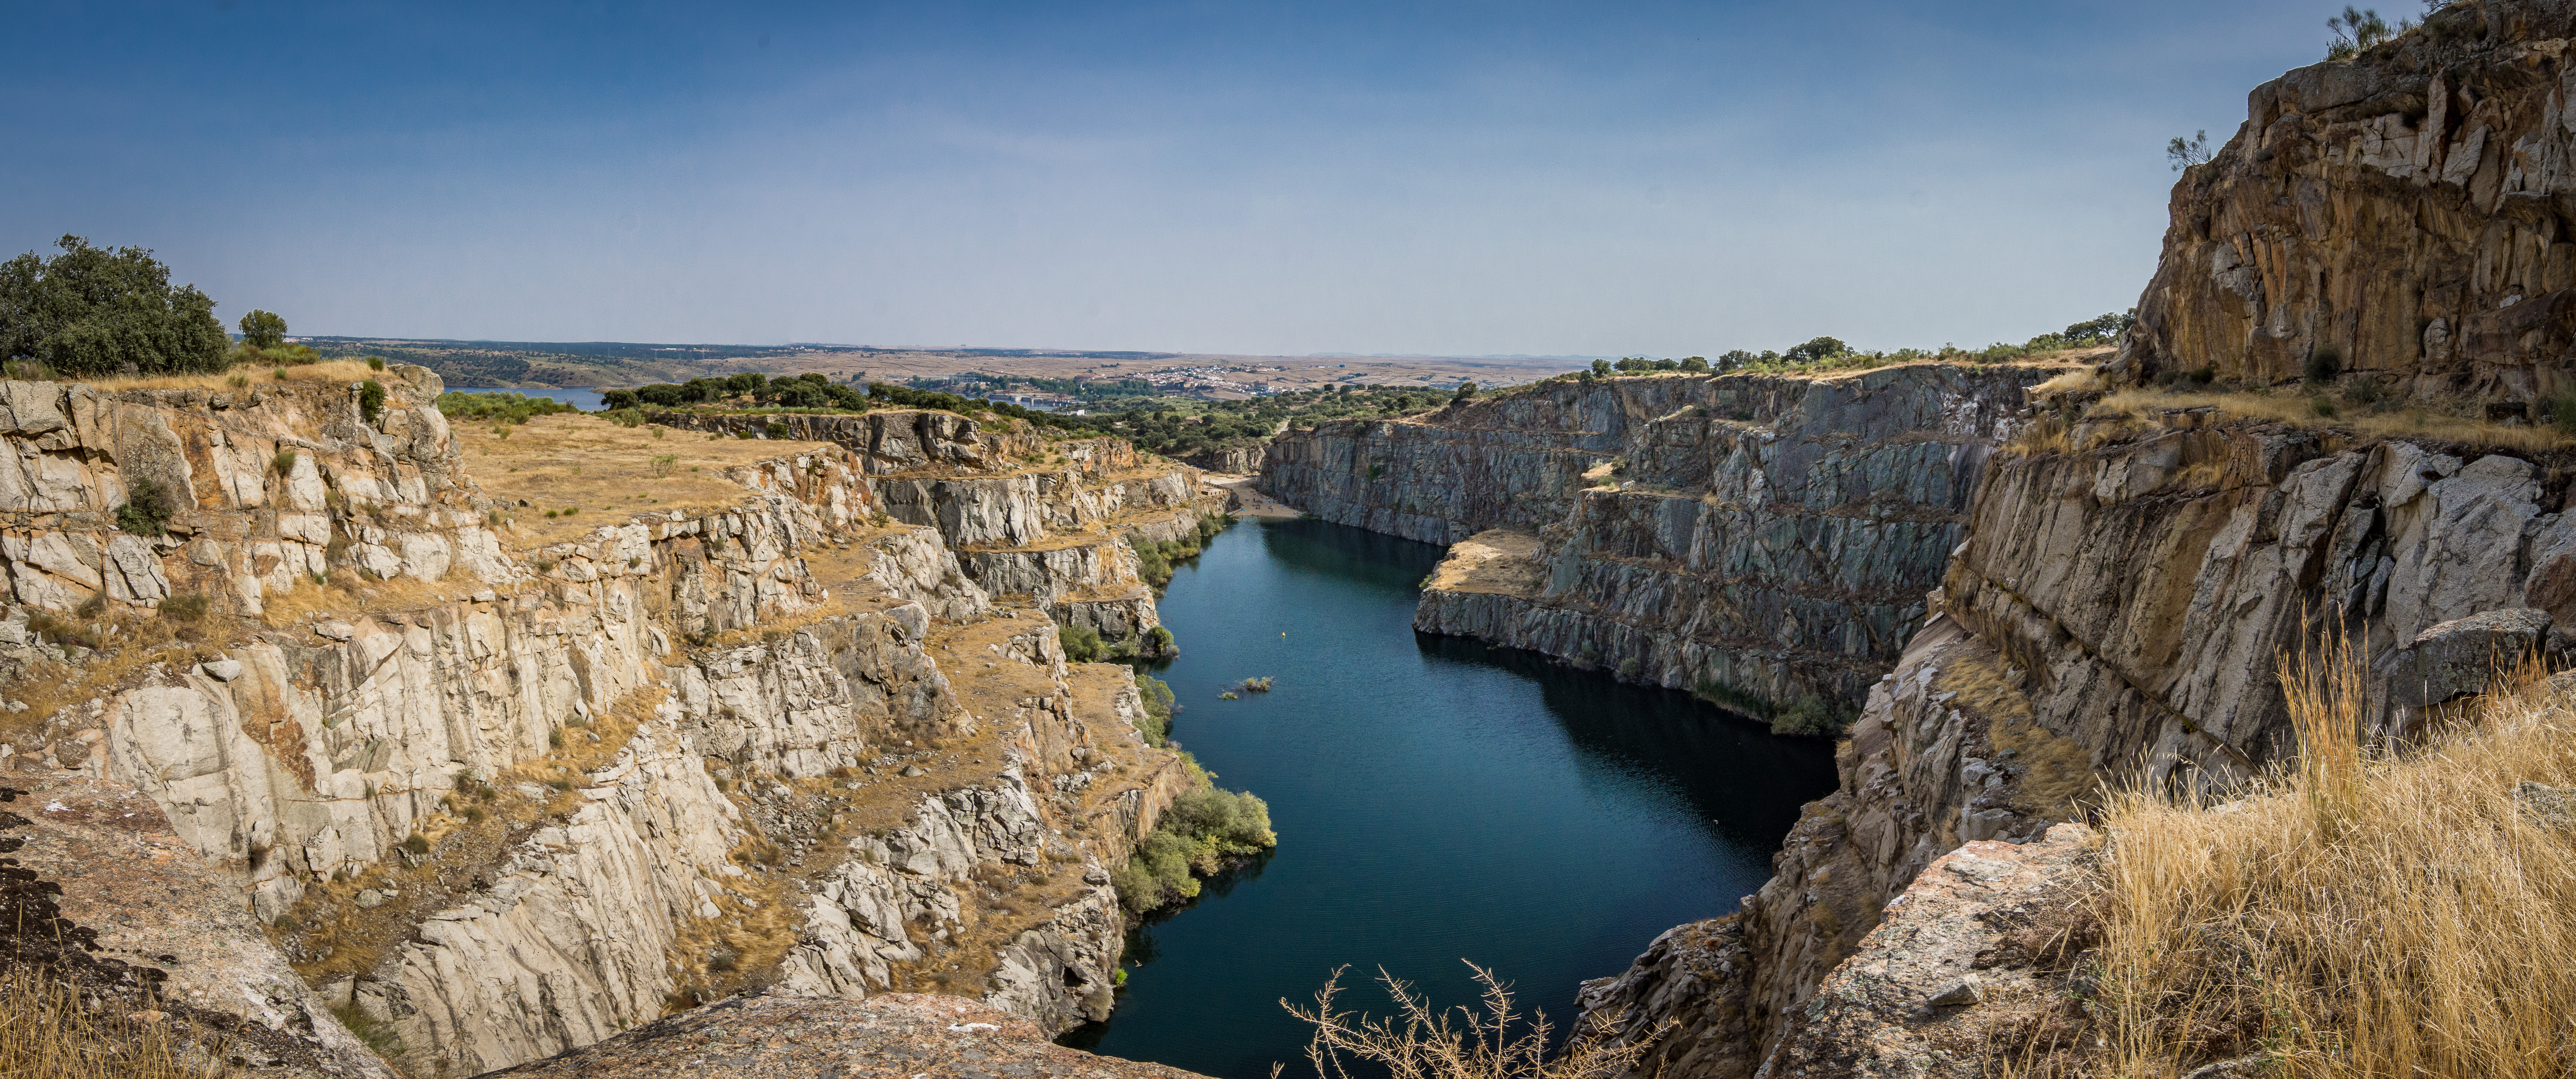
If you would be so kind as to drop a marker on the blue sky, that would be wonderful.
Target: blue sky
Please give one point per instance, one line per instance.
(1460, 179)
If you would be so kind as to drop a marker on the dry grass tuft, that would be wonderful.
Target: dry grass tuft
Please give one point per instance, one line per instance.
(2040, 437)
(50, 1030)
(128, 640)
(2298, 410)
(2058, 781)
(259, 375)
(2078, 380)
(757, 922)
(2362, 914)
(344, 594)
(1423, 1042)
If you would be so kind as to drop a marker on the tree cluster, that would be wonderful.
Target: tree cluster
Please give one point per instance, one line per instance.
(93, 311)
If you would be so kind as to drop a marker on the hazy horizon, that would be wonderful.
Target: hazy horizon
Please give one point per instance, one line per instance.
(1361, 180)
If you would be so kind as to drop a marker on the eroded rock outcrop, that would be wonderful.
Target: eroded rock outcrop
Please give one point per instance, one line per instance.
(2403, 212)
(103, 895)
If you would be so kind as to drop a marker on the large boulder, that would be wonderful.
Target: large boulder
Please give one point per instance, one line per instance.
(2456, 659)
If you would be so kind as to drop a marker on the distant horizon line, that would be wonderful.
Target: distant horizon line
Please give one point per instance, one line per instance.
(991, 350)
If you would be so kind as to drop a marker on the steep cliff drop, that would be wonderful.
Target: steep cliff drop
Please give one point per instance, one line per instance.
(2383, 229)
(1764, 541)
(498, 785)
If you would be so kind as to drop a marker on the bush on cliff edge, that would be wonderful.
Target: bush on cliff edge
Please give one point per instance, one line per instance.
(1202, 831)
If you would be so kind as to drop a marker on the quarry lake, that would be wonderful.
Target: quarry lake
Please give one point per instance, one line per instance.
(1436, 800)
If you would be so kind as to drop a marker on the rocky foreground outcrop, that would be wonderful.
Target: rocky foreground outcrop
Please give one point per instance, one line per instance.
(101, 894)
(2402, 215)
(2114, 615)
(504, 798)
(895, 1036)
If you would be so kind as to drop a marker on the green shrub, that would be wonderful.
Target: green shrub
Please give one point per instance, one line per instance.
(371, 399)
(1202, 831)
(1081, 644)
(1160, 640)
(512, 408)
(185, 608)
(284, 462)
(1808, 717)
(2562, 409)
(416, 843)
(147, 508)
(1159, 702)
(1629, 667)
(2322, 406)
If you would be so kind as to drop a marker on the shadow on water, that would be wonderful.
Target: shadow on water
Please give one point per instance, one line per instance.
(1436, 799)
(1638, 728)
(1141, 947)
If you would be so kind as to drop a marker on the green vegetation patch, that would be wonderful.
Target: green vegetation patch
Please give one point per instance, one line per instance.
(499, 407)
(1198, 836)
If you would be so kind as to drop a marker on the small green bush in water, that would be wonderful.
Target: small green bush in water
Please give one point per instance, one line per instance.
(1197, 836)
(1081, 644)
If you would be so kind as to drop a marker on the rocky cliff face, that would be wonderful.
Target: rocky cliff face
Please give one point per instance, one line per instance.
(1049, 521)
(527, 798)
(2403, 211)
(2115, 612)
(1761, 539)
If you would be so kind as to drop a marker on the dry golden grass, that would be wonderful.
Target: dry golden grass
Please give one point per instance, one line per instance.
(1425, 1042)
(606, 472)
(2058, 781)
(712, 957)
(2297, 410)
(253, 375)
(344, 593)
(2042, 436)
(2363, 914)
(47, 1031)
(2078, 380)
(137, 639)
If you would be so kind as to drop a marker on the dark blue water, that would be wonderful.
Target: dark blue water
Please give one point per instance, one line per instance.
(1436, 800)
(585, 398)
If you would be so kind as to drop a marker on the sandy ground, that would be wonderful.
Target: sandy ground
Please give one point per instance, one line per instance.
(1248, 502)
